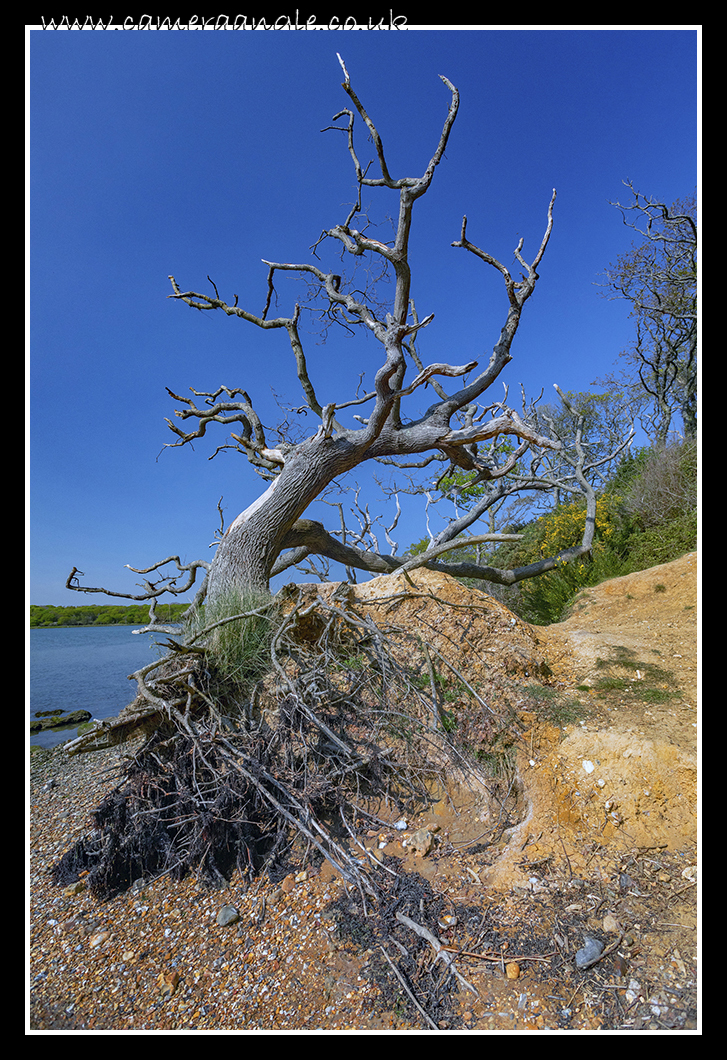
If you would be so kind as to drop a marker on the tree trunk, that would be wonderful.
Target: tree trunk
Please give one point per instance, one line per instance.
(248, 550)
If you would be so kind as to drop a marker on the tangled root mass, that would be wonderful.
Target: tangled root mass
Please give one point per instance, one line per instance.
(237, 769)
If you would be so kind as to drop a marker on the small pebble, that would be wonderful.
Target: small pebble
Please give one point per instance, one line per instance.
(591, 949)
(227, 915)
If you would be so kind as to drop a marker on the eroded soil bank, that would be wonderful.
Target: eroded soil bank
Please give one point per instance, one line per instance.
(582, 826)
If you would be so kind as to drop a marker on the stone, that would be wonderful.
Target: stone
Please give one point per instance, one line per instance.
(611, 924)
(99, 939)
(168, 982)
(227, 915)
(590, 950)
(421, 842)
(58, 721)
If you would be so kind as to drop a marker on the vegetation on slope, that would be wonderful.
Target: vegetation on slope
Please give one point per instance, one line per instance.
(646, 515)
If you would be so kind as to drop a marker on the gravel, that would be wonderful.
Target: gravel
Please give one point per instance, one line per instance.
(161, 957)
(299, 954)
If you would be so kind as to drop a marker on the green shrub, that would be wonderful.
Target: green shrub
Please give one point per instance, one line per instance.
(663, 543)
(548, 598)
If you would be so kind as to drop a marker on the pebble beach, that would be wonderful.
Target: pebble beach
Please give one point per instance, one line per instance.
(171, 955)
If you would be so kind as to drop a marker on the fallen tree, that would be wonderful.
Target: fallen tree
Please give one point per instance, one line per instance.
(218, 784)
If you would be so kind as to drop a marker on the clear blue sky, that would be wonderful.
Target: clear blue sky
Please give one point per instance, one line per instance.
(202, 153)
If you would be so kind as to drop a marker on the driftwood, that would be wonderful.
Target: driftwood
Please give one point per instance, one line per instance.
(442, 952)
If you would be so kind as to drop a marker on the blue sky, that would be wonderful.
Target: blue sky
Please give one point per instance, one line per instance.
(201, 153)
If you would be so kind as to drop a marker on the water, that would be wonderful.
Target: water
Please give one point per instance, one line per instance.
(84, 668)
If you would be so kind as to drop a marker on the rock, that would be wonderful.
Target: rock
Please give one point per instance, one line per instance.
(590, 950)
(98, 939)
(59, 721)
(168, 982)
(512, 970)
(227, 915)
(74, 888)
(611, 924)
(633, 991)
(421, 842)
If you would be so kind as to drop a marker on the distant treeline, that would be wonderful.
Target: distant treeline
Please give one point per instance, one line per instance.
(102, 615)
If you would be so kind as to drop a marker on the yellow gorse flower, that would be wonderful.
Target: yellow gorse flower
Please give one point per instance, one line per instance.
(563, 527)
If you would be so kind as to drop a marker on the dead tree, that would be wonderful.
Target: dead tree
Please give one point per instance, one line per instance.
(228, 775)
(272, 533)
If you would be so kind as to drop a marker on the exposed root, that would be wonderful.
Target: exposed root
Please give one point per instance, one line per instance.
(234, 767)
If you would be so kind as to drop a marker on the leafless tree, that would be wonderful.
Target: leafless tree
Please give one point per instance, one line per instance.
(658, 277)
(238, 754)
(457, 429)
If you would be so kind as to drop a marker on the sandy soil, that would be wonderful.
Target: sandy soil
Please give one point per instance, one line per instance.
(628, 654)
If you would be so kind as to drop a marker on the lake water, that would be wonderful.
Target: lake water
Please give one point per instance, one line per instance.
(84, 668)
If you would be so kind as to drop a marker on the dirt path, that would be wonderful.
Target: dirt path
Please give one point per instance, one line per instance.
(651, 614)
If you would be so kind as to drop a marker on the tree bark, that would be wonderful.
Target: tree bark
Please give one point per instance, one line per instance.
(248, 550)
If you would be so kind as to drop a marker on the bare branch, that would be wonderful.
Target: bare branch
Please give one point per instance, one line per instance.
(167, 585)
(418, 183)
(510, 423)
(517, 293)
(658, 278)
(154, 590)
(423, 558)
(303, 471)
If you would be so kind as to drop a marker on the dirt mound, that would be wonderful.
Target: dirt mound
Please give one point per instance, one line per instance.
(465, 628)
(625, 773)
(652, 612)
(600, 809)
(606, 702)
(628, 769)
